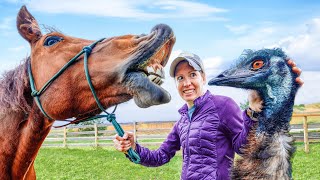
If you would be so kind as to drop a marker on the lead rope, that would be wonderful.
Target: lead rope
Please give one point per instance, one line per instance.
(111, 117)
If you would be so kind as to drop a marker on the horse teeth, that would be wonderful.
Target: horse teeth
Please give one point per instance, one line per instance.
(160, 82)
(163, 73)
(150, 69)
(157, 80)
(159, 72)
(152, 77)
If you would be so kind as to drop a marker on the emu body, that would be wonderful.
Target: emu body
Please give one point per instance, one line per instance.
(267, 155)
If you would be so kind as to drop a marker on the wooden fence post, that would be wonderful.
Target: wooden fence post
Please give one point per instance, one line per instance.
(95, 135)
(135, 131)
(65, 136)
(305, 134)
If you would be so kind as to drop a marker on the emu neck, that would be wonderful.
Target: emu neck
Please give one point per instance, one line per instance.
(277, 110)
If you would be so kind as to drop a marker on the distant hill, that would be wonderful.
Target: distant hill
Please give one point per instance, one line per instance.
(315, 107)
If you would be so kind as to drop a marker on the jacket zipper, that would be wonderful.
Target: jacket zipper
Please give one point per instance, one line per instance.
(187, 147)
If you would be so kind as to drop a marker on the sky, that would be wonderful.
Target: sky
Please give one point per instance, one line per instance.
(218, 31)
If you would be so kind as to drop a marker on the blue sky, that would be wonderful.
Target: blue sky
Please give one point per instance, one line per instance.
(217, 31)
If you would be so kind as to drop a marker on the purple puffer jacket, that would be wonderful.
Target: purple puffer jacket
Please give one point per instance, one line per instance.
(216, 130)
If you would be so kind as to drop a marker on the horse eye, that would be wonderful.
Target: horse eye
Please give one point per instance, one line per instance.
(257, 64)
(51, 40)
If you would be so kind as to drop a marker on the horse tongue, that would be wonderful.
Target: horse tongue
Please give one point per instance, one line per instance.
(146, 93)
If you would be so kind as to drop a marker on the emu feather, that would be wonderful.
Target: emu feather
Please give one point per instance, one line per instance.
(267, 155)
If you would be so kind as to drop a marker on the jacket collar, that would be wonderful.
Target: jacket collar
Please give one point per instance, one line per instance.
(198, 102)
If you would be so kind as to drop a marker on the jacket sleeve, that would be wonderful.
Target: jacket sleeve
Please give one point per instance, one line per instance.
(167, 150)
(236, 123)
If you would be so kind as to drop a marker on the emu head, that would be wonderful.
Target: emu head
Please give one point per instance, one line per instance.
(267, 72)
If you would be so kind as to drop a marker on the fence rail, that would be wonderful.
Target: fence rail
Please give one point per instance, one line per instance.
(151, 133)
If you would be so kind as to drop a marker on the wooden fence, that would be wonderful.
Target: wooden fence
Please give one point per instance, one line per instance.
(313, 130)
(151, 133)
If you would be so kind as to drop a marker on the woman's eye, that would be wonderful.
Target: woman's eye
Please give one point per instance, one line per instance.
(51, 40)
(179, 78)
(193, 75)
(257, 64)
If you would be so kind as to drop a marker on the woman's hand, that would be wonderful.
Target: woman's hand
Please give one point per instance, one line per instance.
(296, 70)
(255, 101)
(123, 144)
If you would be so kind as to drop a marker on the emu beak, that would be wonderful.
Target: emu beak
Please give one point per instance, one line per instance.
(232, 78)
(219, 80)
(224, 79)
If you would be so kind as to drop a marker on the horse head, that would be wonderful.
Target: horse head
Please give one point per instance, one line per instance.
(120, 68)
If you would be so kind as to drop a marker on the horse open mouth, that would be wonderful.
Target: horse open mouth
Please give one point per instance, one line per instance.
(145, 74)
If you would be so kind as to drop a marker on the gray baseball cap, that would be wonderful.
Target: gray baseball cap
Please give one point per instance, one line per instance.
(192, 59)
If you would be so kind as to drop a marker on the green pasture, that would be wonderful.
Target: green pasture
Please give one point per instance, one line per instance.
(106, 163)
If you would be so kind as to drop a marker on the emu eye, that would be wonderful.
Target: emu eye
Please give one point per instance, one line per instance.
(257, 64)
(51, 40)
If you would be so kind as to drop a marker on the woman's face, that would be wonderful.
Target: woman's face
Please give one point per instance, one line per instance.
(190, 83)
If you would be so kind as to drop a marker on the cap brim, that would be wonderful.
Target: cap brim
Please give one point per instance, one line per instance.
(176, 61)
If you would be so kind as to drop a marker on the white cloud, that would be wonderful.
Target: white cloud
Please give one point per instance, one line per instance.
(5, 23)
(229, 48)
(313, 27)
(212, 62)
(12, 1)
(191, 9)
(304, 47)
(301, 43)
(142, 9)
(17, 49)
(241, 29)
(309, 92)
(7, 65)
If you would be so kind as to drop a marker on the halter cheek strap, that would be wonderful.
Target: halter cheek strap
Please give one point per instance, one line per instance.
(111, 117)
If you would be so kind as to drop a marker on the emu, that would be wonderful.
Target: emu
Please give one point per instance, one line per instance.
(267, 155)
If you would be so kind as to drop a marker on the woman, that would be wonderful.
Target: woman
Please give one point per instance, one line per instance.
(211, 128)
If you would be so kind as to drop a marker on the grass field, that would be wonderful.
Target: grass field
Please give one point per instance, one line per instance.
(106, 163)
(307, 108)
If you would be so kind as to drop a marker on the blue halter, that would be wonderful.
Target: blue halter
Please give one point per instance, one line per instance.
(111, 117)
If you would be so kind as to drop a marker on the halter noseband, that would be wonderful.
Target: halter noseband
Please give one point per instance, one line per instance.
(109, 116)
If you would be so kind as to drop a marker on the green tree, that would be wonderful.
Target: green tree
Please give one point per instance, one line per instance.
(92, 122)
(244, 105)
(299, 107)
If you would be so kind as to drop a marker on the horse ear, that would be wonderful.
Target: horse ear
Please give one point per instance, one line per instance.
(27, 26)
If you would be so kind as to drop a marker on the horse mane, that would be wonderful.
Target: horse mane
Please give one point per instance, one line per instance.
(15, 86)
(14, 90)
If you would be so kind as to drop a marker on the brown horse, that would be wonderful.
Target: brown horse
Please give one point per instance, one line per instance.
(121, 68)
